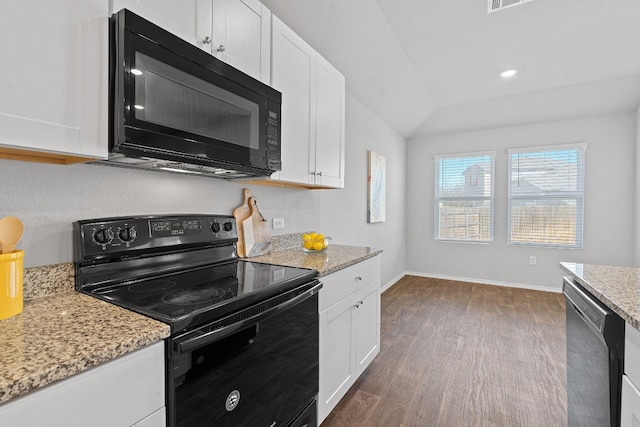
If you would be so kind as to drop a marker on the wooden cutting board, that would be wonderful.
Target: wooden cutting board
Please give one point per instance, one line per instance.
(257, 236)
(241, 213)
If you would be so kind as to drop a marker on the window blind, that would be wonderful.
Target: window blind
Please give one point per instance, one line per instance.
(464, 187)
(546, 196)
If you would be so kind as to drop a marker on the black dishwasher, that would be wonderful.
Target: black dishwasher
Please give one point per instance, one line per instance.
(595, 352)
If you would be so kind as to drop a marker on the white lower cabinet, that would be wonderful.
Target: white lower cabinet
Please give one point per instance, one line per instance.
(157, 419)
(630, 415)
(125, 392)
(349, 329)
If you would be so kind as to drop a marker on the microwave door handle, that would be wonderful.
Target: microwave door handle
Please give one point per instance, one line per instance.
(213, 336)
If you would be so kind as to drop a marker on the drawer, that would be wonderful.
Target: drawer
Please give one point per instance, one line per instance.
(632, 354)
(339, 285)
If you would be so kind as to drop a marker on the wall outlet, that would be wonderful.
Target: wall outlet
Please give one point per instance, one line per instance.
(278, 223)
(532, 260)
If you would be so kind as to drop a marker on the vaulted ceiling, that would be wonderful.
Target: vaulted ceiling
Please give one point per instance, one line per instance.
(428, 67)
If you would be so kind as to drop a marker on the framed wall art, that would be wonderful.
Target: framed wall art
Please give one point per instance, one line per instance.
(376, 180)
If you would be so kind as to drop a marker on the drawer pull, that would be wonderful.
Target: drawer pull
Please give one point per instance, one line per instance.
(358, 278)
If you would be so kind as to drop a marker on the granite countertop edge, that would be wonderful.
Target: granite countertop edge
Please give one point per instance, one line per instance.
(35, 358)
(60, 335)
(334, 259)
(617, 287)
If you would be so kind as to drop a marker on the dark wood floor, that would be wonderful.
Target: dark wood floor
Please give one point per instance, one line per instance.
(463, 354)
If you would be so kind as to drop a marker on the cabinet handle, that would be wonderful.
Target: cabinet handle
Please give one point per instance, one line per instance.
(220, 49)
(319, 173)
(359, 278)
(356, 305)
(206, 40)
(360, 303)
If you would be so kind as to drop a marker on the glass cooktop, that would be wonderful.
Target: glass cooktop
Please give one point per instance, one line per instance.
(204, 294)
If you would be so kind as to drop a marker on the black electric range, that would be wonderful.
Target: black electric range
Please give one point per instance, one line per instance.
(183, 270)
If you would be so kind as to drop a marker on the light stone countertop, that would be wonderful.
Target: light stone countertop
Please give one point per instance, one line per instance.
(63, 333)
(617, 287)
(335, 258)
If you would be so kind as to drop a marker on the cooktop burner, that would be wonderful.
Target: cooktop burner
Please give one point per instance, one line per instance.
(203, 295)
(155, 286)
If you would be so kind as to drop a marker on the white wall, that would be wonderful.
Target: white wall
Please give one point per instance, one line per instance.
(609, 213)
(637, 195)
(48, 198)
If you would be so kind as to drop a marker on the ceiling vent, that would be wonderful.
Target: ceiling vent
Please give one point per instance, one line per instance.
(496, 5)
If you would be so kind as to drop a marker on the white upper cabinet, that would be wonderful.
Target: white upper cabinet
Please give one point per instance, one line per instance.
(53, 82)
(237, 32)
(179, 17)
(329, 146)
(313, 102)
(294, 74)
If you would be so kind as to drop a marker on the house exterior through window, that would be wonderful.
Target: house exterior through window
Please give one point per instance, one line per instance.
(464, 199)
(546, 196)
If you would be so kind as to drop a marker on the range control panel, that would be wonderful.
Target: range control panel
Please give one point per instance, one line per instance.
(99, 238)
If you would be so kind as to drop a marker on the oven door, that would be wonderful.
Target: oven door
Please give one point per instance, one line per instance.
(173, 101)
(249, 369)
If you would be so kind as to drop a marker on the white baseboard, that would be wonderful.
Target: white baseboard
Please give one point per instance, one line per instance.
(480, 281)
(392, 282)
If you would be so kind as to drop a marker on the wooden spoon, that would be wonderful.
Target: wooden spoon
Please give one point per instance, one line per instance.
(11, 229)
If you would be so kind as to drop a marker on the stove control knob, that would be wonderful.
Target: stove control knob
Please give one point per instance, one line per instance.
(228, 226)
(103, 236)
(127, 234)
(215, 227)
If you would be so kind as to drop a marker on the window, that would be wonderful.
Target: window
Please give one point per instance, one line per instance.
(464, 197)
(546, 191)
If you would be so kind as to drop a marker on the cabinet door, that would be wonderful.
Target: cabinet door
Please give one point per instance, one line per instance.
(337, 354)
(367, 325)
(329, 148)
(630, 413)
(632, 353)
(157, 419)
(241, 36)
(177, 17)
(118, 393)
(53, 82)
(294, 74)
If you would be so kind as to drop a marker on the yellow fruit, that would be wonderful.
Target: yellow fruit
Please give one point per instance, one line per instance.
(306, 237)
(308, 245)
(313, 235)
(317, 246)
(319, 237)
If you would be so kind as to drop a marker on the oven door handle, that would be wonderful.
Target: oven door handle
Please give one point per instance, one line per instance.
(212, 336)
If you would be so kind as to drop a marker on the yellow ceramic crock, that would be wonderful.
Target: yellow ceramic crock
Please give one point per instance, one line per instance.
(11, 284)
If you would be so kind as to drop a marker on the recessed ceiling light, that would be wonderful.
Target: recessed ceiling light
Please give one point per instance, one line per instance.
(509, 73)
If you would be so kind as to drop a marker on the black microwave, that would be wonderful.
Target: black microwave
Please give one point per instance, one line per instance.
(174, 107)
